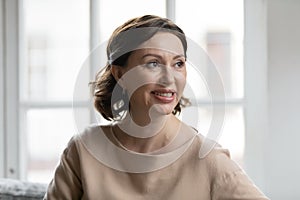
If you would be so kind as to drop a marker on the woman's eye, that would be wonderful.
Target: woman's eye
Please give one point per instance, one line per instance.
(179, 64)
(152, 64)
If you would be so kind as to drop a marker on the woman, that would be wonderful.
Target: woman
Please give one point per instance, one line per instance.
(147, 153)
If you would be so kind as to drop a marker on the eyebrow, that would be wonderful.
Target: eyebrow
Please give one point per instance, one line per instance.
(160, 57)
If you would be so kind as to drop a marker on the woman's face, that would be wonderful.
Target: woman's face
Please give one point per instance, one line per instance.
(155, 75)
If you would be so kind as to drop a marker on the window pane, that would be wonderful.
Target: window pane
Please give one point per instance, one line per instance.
(113, 13)
(217, 26)
(48, 133)
(232, 134)
(55, 43)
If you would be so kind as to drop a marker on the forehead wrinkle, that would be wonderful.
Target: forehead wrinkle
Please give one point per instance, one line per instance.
(161, 54)
(164, 41)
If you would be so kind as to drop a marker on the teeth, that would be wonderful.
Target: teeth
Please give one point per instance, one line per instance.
(168, 94)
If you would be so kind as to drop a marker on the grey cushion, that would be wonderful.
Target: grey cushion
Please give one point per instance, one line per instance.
(17, 190)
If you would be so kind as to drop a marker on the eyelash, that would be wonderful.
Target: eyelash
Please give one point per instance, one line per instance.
(181, 64)
(154, 64)
(150, 64)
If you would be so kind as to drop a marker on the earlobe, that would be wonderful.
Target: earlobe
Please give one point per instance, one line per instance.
(116, 72)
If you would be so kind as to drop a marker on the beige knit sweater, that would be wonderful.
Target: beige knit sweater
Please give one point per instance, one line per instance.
(84, 173)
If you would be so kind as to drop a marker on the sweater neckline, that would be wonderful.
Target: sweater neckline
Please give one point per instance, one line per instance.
(119, 158)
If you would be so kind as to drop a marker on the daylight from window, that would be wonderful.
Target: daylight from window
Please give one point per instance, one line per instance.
(56, 43)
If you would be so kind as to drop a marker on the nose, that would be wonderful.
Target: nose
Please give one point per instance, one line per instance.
(166, 75)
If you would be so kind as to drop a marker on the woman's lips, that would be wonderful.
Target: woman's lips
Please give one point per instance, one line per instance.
(164, 96)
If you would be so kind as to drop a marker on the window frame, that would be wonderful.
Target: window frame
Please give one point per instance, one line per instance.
(12, 145)
(2, 122)
(12, 140)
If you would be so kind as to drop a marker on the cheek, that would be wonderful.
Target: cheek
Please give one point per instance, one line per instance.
(180, 88)
(141, 96)
(137, 81)
(181, 81)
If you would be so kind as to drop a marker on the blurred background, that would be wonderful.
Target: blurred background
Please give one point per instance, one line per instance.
(254, 44)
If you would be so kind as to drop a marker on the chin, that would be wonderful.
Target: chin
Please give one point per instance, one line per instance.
(163, 109)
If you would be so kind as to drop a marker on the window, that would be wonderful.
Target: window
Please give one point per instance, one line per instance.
(112, 13)
(217, 26)
(55, 44)
(56, 37)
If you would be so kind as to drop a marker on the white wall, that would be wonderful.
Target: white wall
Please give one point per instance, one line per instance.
(272, 91)
(282, 170)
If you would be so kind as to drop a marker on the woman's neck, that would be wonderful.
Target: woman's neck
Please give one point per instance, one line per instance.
(149, 138)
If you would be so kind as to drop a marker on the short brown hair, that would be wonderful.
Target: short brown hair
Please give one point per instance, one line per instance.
(119, 48)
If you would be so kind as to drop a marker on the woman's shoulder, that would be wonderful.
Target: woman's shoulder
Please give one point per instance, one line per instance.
(207, 148)
(227, 178)
(214, 156)
(94, 129)
(92, 132)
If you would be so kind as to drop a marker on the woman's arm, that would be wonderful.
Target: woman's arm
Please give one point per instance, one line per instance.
(230, 181)
(66, 183)
(236, 185)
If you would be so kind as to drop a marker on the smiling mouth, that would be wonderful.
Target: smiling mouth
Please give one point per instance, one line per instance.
(164, 94)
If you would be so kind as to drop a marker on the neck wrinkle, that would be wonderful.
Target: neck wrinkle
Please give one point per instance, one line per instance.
(146, 145)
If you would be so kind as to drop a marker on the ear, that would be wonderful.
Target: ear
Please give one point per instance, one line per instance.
(117, 72)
